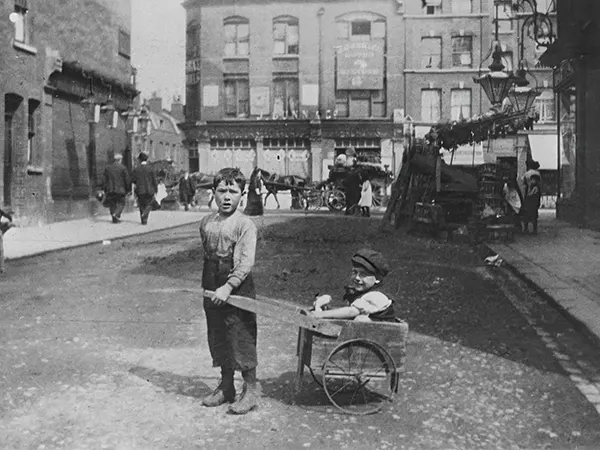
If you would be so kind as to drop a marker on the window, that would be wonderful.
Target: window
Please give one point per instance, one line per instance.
(460, 104)
(461, 6)
(192, 41)
(431, 105)
(433, 7)
(236, 97)
(504, 18)
(546, 6)
(431, 53)
(361, 29)
(462, 47)
(20, 18)
(285, 97)
(342, 105)
(237, 37)
(124, 44)
(544, 106)
(32, 128)
(507, 60)
(285, 36)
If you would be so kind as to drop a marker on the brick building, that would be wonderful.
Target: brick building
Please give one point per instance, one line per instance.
(163, 140)
(51, 58)
(289, 91)
(575, 57)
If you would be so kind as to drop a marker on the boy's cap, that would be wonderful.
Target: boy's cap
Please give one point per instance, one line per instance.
(372, 261)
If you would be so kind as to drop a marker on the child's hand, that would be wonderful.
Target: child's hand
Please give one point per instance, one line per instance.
(222, 294)
(321, 301)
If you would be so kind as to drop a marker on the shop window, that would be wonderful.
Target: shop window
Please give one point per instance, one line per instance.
(285, 97)
(286, 37)
(236, 97)
(237, 37)
(20, 18)
(461, 6)
(545, 106)
(124, 44)
(462, 50)
(192, 41)
(431, 105)
(460, 104)
(431, 53)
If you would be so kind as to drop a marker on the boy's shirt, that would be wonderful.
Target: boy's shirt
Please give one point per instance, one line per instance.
(371, 302)
(234, 237)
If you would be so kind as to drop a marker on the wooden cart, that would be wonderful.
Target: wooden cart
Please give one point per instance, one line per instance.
(357, 363)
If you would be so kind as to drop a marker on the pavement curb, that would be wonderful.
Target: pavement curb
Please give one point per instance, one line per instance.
(98, 241)
(579, 325)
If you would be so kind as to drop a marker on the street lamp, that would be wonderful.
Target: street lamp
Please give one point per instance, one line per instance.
(496, 83)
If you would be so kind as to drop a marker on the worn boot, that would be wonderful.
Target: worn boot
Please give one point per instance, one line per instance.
(248, 400)
(224, 393)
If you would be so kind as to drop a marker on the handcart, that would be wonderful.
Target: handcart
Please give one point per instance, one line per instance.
(357, 363)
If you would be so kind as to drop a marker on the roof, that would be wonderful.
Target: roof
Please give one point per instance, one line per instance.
(169, 124)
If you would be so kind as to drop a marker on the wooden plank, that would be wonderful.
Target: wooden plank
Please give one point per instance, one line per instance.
(276, 309)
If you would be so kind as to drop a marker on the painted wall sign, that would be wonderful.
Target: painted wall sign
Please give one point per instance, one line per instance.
(210, 95)
(360, 65)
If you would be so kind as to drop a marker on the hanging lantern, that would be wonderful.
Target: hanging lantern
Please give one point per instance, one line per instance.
(522, 98)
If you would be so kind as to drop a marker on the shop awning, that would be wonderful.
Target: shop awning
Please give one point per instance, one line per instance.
(543, 150)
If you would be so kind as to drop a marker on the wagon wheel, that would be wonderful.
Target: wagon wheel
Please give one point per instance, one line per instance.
(313, 200)
(359, 377)
(377, 198)
(336, 200)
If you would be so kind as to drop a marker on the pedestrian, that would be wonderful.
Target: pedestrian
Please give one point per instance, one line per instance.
(364, 300)
(187, 190)
(531, 204)
(6, 223)
(366, 197)
(514, 202)
(116, 184)
(229, 243)
(352, 190)
(255, 205)
(146, 186)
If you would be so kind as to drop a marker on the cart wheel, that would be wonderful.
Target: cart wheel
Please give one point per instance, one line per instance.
(359, 377)
(316, 378)
(336, 200)
(314, 200)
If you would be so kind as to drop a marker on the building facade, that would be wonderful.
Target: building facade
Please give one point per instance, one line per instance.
(66, 75)
(289, 92)
(575, 57)
(163, 140)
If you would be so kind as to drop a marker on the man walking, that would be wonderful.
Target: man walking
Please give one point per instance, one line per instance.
(116, 185)
(146, 185)
(187, 190)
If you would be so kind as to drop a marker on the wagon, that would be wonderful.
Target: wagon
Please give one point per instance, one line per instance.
(357, 363)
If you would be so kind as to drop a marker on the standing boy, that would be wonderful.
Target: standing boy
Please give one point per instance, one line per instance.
(229, 243)
(187, 190)
(6, 223)
(146, 186)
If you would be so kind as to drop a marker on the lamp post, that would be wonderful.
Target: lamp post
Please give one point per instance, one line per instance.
(92, 109)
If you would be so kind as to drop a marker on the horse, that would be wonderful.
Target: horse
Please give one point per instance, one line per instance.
(275, 183)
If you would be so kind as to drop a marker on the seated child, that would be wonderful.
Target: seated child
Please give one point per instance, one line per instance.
(365, 302)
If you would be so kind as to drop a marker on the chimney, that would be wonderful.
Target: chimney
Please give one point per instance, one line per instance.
(177, 110)
(155, 104)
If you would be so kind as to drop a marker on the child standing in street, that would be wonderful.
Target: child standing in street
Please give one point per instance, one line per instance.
(365, 302)
(229, 243)
(6, 223)
(366, 197)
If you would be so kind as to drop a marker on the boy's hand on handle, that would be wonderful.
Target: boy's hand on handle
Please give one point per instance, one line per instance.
(321, 301)
(222, 294)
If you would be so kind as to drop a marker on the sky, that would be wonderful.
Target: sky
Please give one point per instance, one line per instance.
(158, 48)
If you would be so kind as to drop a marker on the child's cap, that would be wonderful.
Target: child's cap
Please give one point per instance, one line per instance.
(372, 261)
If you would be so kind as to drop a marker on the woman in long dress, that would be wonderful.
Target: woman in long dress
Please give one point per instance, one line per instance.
(255, 204)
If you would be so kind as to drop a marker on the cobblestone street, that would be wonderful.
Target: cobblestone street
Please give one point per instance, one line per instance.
(99, 352)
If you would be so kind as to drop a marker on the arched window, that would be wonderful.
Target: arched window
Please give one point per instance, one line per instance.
(361, 26)
(286, 37)
(237, 36)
